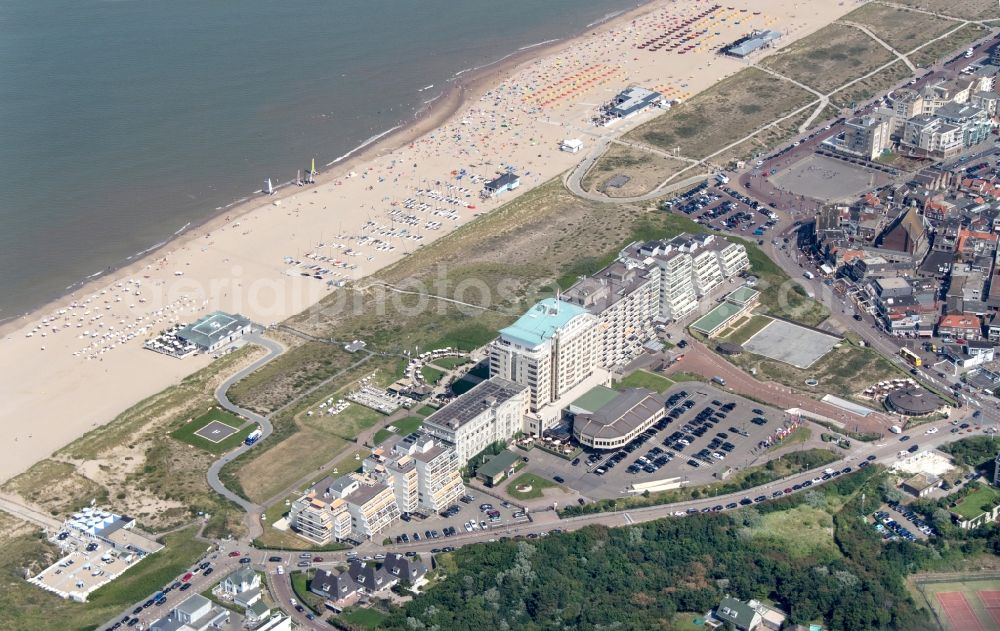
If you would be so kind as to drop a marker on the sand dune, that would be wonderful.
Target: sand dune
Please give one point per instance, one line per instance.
(359, 217)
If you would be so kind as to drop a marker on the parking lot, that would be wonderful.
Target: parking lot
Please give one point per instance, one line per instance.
(721, 208)
(703, 432)
(897, 521)
(475, 512)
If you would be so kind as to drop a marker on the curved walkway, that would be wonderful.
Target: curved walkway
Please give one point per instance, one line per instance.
(274, 349)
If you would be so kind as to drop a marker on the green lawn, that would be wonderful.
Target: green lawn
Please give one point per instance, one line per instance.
(644, 379)
(678, 377)
(799, 435)
(431, 374)
(408, 425)
(187, 432)
(537, 484)
(748, 329)
(403, 427)
(685, 621)
(979, 501)
(367, 618)
(804, 531)
(449, 363)
(380, 436)
(426, 410)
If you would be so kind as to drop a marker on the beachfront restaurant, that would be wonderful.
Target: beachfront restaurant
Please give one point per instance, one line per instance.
(632, 101)
(215, 331)
(506, 182)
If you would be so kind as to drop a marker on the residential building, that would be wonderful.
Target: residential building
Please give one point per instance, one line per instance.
(549, 349)
(259, 612)
(739, 614)
(338, 588)
(907, 103)
(625, 299)
(685, 274)
(351, 506)
(771, 617)
(492, 411)
(196, 613)
(988, 101)
(993, 328)
(373, 508)
(974, 122)
(996, 470)
(321, 516)
(242, 586)
(866, 136)
(370, 579)
(960, 326)
(438, 467)
(405, 569)
(927, 135)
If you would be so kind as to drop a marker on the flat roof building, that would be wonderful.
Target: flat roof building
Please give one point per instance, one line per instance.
(506, 182)
(491, 411)
(620, 420)
(913, 401)
(215, 331)
(498, 467)
(755, 41)
(633, 100)
(736, 305)
(196, 613)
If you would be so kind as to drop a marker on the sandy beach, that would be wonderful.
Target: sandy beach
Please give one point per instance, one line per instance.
(78, 362)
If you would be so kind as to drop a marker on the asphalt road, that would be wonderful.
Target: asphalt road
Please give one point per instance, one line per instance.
(274, 349)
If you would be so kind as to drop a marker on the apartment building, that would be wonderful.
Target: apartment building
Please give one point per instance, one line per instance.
(866, 136)
(626, 302)
(690, 266)
(424, 472)
(320, 517)
(973, 121)
(372, 506)
(549, 349)
(351, 506)
(490, 412)
(932, 136)
(961, 326)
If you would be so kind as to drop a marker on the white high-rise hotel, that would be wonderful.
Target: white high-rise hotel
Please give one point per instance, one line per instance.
(550, 349)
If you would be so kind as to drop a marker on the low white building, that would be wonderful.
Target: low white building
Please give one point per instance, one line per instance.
(571, 145)
(492, 411)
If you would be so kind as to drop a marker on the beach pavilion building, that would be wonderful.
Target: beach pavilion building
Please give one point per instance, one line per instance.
(215, 330)
(506, 182)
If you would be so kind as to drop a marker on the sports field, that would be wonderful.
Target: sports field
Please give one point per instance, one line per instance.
(216, 431)
(965, 604)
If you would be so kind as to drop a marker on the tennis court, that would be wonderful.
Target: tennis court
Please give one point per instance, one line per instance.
(963, 602)
(960, 615)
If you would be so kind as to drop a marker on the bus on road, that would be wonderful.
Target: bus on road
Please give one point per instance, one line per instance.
(911, 358)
